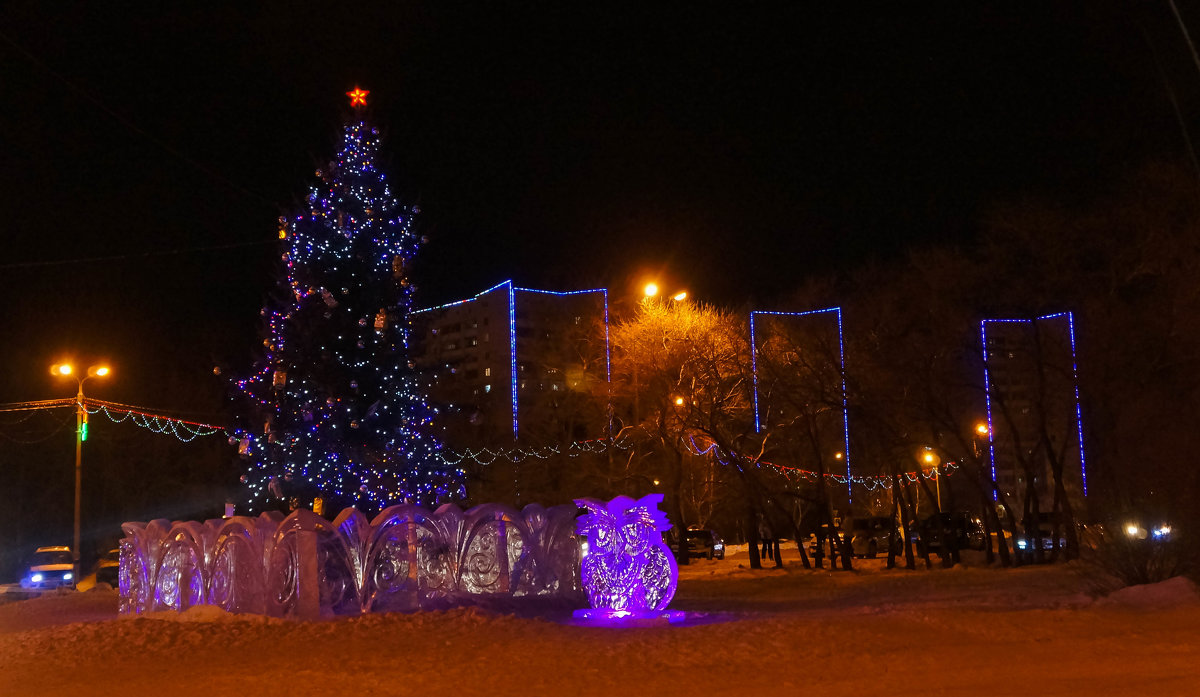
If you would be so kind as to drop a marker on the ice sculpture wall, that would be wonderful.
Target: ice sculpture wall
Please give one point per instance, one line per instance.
(306, 567)
(628, 571)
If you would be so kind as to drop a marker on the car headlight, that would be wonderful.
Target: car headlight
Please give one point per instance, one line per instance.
(68, 576)
(37, 578)
(1021, 543)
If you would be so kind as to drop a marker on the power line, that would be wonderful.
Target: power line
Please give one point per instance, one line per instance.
(129, 124)
(139, 255)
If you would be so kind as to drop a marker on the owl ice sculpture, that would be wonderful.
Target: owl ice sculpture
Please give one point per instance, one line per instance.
(627, 570)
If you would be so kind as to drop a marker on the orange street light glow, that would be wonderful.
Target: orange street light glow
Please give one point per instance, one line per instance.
(680, 296)
(61, 369)
(981, 428)
(651, 290)
(929, 458)
(679, 401)
(358, 97)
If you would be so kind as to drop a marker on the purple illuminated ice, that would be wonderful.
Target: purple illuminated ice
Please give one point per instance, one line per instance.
(628, 571)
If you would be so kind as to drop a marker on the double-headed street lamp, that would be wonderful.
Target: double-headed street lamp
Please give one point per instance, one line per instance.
(67, 370)
(651, 290)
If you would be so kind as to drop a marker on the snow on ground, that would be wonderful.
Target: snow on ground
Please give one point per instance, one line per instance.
(1051, 630)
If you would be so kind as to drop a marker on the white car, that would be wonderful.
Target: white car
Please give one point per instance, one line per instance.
(51, 567)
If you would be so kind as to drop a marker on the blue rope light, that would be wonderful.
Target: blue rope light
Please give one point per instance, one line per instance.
(512, 331)
(512, 348)
(987, 385)
(1078, 406)
(841, 359)
(987, 396)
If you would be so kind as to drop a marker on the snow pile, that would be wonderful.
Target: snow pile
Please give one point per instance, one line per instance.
(1178, 591)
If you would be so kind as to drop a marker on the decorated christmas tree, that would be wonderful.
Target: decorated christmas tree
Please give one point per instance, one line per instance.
(333, 408)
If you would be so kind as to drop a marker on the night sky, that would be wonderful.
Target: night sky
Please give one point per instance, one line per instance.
(148, 149)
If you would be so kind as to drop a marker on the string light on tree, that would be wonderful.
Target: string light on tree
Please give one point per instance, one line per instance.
(333, 408)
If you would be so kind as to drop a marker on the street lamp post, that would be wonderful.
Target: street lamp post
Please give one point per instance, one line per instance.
(96, 371)
(931, 459)
(981, 430)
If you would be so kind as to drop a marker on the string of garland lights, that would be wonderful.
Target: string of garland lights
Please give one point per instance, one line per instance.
(182, 429)
(26, 412)
(188, 431)
(185, 431)
(333, 408)
(869, 482)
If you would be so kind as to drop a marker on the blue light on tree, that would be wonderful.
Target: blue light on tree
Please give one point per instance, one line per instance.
(628, 572)
(333, 407)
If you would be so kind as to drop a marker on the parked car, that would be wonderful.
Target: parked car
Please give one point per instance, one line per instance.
(704, 543)
(870, 536)
(830, 548)
(965, 530)
(108, 568)
(1039, 529)
(50, 567)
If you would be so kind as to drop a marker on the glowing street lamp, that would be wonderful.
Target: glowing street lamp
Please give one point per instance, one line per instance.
(67, 370)
(650, 290)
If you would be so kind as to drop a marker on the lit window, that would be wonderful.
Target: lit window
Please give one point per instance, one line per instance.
(487, 388)
(487, 372)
